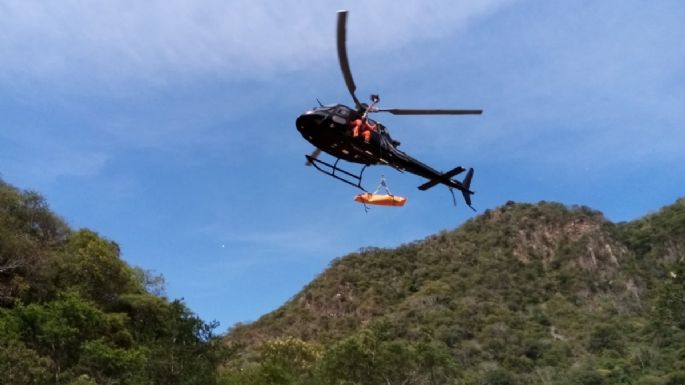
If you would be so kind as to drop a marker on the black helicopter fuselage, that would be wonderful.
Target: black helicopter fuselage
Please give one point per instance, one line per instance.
(329, 128)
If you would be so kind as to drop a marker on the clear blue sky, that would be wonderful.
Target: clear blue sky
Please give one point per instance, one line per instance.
(168, 126)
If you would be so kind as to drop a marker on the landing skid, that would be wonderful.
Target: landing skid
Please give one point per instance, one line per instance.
(331, 169)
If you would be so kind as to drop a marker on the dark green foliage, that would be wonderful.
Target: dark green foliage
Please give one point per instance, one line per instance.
(585, 376)
(92, 266)
(606, 337)
(280, 361)
(658, 240)
(676, 378)
(29, 233)
(670, 298)
(499, 377)
(366, 358)
(72, 312)
(20, 365)
(371, 356)
(525, 294)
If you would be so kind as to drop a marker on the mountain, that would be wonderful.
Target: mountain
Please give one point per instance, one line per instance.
(522, 294)
(526, 293)
(72, 312)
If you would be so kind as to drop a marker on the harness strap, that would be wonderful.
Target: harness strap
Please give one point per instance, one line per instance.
(383, 185)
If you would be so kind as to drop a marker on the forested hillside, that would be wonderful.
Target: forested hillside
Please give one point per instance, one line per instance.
(524, 294)
(72, 312)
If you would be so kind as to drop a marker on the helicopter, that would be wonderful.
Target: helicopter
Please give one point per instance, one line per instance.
(334, 129)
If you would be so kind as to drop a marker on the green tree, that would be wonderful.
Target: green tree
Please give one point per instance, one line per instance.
(57, 329)
(499, 376)
(73, 312)
(585, 376)
(374, 356)
(20, 365)
(670, 302)
(185, 349)
(287, 360)
(676, 378)
(606, 336)
(104, 362)
(91, 265)
(28, 233)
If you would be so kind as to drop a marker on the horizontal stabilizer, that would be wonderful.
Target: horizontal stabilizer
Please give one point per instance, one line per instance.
(444, 177)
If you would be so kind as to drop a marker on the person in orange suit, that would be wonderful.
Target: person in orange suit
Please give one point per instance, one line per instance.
(363, 127)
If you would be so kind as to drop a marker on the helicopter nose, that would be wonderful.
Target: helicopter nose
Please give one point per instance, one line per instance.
(309, 120)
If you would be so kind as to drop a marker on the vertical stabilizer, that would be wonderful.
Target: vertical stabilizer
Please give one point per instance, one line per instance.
(466, 192)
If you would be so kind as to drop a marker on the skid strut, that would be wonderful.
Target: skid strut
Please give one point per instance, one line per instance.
(331, 169)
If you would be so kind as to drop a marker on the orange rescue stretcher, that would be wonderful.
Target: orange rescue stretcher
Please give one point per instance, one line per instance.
(380, 199)
(387, 199)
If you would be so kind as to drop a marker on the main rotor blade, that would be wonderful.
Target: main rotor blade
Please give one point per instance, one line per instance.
(314, 154)
(342, 56)
(409, 111)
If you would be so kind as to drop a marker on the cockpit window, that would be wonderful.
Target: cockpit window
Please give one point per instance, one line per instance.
(343, 112)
